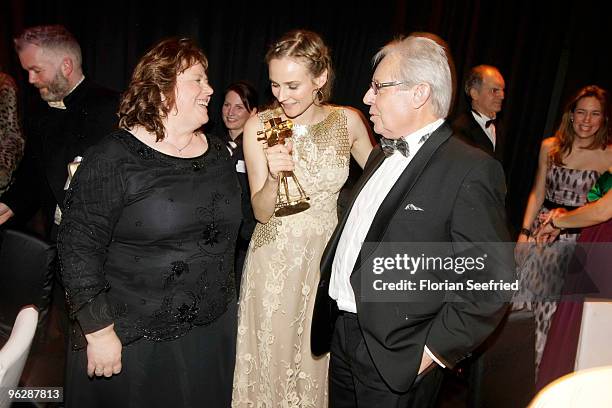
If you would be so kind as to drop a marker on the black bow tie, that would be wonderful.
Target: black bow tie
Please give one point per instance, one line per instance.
(389, 146)
(488, 122)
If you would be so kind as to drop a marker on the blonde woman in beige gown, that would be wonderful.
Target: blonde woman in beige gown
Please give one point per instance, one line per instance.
(274, 365)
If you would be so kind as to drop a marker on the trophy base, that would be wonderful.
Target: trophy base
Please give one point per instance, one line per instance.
(290, 208)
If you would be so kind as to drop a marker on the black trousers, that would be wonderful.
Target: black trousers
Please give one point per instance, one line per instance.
(354, 381)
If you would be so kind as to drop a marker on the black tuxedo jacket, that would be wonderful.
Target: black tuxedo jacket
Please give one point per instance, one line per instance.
(54, 138)
(466, 126)
(248, 218)
(461, 191)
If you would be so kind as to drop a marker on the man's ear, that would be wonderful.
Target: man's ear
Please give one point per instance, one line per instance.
(67, 66)
(474, 94)
(422, 93)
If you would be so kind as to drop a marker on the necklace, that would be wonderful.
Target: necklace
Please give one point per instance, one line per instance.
(180, 150)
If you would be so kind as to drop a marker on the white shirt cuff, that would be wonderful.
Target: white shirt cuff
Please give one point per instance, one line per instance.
(434, 357)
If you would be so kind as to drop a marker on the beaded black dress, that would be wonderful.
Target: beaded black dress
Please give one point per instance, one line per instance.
(147, 243)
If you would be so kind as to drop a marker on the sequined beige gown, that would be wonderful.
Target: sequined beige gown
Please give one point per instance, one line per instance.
(274, 365)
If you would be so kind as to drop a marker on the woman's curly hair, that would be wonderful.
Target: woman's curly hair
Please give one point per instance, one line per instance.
(151, 93)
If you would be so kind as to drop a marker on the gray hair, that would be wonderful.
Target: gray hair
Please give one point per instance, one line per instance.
(424, 58)
(55, 38)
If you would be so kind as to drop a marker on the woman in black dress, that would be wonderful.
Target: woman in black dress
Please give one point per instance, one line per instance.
(240, 104)
(147, 248)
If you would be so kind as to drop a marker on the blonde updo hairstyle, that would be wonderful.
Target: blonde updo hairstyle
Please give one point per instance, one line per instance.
(307, 47)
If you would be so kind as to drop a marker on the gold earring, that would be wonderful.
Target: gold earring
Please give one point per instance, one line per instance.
(318, 96)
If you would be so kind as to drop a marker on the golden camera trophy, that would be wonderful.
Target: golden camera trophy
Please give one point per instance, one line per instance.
(275, 132)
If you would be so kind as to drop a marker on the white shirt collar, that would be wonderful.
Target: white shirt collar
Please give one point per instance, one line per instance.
(414, 139)
(490, 131)
(481, 118)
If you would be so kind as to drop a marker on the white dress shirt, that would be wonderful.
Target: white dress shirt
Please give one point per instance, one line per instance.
(362, 214)
(482, 119)
(360, 219)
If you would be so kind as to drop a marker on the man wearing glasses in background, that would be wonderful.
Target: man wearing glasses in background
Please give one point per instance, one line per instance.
(484, 87)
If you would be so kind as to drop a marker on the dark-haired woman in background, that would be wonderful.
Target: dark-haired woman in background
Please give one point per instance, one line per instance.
(569, 165)
(274, 364)
(147, 248)
(240, 104)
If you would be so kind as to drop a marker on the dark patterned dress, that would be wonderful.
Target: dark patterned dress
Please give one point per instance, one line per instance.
(542, 272)
(588, 277)
(11, 139)
(147, 242)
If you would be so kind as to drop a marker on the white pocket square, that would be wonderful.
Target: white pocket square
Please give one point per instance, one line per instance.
(412, 207)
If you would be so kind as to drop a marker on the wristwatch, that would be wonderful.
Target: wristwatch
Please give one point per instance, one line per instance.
(525, 231)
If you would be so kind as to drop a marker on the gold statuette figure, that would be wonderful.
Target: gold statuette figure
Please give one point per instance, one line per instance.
(275, 132)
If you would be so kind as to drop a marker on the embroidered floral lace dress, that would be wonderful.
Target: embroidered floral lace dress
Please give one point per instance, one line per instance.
(274, 365)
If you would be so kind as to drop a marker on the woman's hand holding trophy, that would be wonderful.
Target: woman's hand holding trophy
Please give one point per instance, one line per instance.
(281, 166)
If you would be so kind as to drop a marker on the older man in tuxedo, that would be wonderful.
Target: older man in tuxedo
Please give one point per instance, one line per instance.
(484, 87)
(419, 186)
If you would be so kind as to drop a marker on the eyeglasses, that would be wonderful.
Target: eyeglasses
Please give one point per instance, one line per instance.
(377, 86)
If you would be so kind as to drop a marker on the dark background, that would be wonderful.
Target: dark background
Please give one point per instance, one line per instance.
(545, 50)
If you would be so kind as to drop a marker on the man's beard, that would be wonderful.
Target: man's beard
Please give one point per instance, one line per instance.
(57, 89)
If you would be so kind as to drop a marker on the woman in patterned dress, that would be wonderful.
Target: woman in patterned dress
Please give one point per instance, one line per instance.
(274, 365)
(588, 275)
(569, 164)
